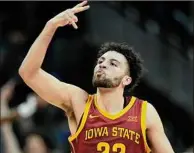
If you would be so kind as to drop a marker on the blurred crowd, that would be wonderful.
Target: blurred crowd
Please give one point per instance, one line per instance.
(32, 126)
(29, 124)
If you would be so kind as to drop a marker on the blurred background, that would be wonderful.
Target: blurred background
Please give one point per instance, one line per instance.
(162, 32)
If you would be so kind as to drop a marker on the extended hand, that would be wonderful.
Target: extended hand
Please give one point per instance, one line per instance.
(68, 16)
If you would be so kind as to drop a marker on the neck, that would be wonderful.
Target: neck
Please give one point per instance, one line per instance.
(110, 100)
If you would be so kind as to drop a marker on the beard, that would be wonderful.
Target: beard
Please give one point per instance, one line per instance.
(104, 82)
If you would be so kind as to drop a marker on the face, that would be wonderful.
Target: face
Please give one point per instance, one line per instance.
(35, 143)
(111, 71)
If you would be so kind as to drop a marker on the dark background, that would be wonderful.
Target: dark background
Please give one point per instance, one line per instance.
(162, 32)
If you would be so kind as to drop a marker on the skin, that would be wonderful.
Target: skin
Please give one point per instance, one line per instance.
(7, 91)
(111, 66)
(71, 98)
(34, 143)
(12, 116)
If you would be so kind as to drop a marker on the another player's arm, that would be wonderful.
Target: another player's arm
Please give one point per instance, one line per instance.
(155, 132)
(45, 85)
(14, 115)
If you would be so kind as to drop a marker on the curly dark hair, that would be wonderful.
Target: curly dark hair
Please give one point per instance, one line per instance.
(135, 63)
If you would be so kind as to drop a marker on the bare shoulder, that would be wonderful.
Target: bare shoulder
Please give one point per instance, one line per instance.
(78, 98)
(150, 108)
(152, 116)
(75, 92)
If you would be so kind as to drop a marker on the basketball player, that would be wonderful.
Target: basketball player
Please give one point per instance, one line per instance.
(105, 122)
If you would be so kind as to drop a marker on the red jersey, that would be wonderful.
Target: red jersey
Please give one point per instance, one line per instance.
(101, 132)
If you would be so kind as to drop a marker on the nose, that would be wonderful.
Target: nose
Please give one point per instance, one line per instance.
(102, 66)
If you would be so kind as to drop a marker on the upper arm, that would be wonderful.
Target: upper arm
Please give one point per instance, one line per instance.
(155, 132)
(53, 90)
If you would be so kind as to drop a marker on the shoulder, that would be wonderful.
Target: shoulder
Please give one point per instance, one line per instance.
(149, 111)
(152, 116)
(77, 98)
(76, 92)
(148, 106)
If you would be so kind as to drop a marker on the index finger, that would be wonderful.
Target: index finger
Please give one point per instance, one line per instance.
(80, 9)
(81, 4)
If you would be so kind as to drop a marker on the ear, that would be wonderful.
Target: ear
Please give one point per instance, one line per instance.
(127, 80)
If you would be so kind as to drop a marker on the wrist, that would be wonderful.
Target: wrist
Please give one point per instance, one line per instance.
(49, 29)
(51, 25)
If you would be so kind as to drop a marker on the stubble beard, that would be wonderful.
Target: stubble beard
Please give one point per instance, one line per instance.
(103, 82)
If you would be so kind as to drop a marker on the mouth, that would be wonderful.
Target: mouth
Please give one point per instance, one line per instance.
(100, 72)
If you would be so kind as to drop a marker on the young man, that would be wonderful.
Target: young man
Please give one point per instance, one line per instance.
(105, 122)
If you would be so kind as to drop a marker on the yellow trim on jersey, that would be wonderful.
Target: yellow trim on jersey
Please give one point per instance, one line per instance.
(143, 125)
(84, 118)
(115, 116)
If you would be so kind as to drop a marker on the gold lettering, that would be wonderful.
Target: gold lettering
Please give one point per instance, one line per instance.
(131, 133)
(137, 136)
(105, 131)
(99, 132)
(126, 134)
(86, 135)
(90, 134)
(121, 131)
(114, 131)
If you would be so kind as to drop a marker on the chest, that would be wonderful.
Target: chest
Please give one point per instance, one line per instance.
(98, 126)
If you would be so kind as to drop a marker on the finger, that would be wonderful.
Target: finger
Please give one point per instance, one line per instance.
(81, 4)
(74, 25)
(70, 13)
(73, 18)
(80, 9)
(71, 21)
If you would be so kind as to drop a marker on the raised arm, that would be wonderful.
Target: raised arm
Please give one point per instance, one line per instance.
(10, 143)
(155, 132)
(46, 86)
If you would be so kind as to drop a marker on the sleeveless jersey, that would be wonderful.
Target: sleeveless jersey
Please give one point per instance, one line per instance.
(101, 132)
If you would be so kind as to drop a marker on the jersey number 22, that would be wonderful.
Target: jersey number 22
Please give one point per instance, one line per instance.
(104, 147)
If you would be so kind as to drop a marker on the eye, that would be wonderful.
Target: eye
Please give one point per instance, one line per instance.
(113, 64)
(100, 61)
